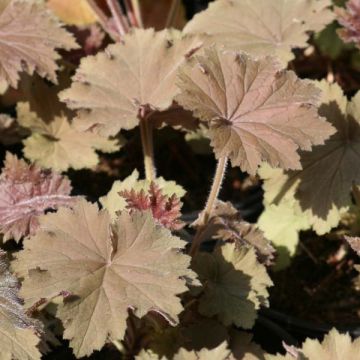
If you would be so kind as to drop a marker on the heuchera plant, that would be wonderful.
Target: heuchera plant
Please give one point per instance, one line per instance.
(130, 273)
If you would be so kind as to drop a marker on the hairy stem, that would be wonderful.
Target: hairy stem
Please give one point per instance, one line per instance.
(119, 18)
(214, 193)
(148, 148)
(137, 12)
(175, 4)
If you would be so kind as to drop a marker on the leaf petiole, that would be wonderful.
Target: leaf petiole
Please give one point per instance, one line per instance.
(214, 193)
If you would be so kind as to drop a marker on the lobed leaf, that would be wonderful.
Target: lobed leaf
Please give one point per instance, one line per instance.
(323, 188)
(29, 35)
(18, 338)
(137, 75)
(235, 284)
(114, 202)
(107, 269)
(61, 145)
(26, 192)
(255, 111)
(263, 27)
(349, 19)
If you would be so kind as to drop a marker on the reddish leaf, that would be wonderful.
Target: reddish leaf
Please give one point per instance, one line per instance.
(26, 192)
(166, 210)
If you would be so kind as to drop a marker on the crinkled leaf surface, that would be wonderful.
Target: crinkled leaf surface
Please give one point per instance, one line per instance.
(108, 269)
(262, 27)
(235, 284)
(29, 35)
(114, 202)
(138, 73)
(17, 331)
(349, 19)
(323, 187)
(255, 111)
(59, 144)
(26, 192)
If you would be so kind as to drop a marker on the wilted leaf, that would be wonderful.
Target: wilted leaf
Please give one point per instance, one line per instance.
(29, 35)
(136, 75)
(73, 12)
(114, 202)
(349, 19)
(165, 210)
(263, 27)
(323, 187)
(235, 284)
(18, 338)
(26, 192)
(61, 145)
(106, 268)
(255, 111)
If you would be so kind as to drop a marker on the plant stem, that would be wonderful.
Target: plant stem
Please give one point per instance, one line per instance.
(137, 12)
(102, 18)
(214, 193)
(148, 148)
(175, 4)
(118, 16)
(131, 14)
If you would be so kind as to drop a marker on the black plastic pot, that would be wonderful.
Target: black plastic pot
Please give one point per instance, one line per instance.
(301, 329)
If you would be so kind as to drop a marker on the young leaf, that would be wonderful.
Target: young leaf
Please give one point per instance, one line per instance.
(26, 192)
(106, 268)
(61, 145)
(18, 338)
(114, 202)
(349, 19)
(226, 224)
(137, 75)
(166, 210)
(29, 35)
(323, 187)
(235, 284)
(254, 110)
(263, 27)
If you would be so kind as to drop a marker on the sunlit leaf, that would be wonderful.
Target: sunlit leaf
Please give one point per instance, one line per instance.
(26, 192)
(255, 111)
(263, 27)
(18, 338)
(132, 77)
(106, 268)
(29, 35)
